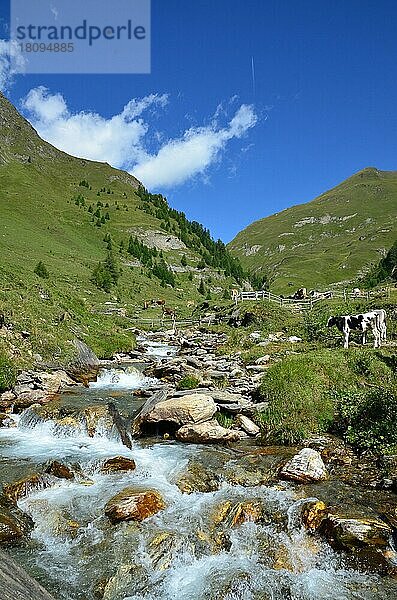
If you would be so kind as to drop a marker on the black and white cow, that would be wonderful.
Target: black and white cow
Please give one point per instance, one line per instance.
(374, 320)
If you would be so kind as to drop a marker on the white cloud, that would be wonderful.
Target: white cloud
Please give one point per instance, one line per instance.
(122, 140)
(117, 140)
(181, 159)
(11, 63)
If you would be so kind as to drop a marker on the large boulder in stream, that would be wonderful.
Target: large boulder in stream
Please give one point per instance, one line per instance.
(306, 466)
(85, 365)
(348, 532)
(132, 504)
(162, 412)
(209, 432)
(15, 525)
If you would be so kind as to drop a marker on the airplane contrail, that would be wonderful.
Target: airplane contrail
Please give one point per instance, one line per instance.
(253, 75)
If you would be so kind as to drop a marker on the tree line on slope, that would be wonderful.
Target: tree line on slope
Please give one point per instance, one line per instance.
(197, 238)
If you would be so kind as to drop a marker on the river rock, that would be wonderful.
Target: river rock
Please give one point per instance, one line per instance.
(247, 425)
(14, 524)
(6, 420)
(97, 418)
(59, 470)
(209, 432)
(85, 365)
(197, 478)
(191, 408)
(313, 514)
(118, 464)
(23, 487)
(350, 532)
(134, 505)
(306, 466)
(233, 514)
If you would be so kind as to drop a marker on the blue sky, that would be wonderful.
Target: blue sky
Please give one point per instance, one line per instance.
(324, 104)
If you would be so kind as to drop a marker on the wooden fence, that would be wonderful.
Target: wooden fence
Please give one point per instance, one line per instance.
(308, 303)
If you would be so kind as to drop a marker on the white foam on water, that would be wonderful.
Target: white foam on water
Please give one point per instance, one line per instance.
(157, 349)
(122, 379)
(77, 545)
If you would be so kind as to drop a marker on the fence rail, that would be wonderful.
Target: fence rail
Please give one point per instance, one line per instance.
(308, 303)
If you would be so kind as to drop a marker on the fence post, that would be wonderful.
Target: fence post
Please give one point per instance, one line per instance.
(344, 295)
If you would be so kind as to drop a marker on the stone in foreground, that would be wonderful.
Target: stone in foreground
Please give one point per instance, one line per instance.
(192, 408)
(349, 532)
(305, 467)
(247, 425)
(313, 514)
(118, 464)
(209, 432)
(14, 524)
(134, 505)
(15, 583)
(23, 487)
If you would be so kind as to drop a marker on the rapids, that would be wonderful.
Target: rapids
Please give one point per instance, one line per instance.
(75, 551)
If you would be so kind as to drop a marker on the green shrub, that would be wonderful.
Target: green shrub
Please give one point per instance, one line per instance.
(41, 270)
(319, 391)
(189, 382)
(368, 418)
(8, 373)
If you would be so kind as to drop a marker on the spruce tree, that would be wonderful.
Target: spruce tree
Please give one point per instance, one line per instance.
(201, 288)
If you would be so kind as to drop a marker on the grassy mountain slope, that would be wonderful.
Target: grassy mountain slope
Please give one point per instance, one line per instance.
(385, 271)
(334, 238)
(49, 212)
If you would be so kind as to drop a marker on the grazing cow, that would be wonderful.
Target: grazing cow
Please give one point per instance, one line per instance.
(300, 294)
(157, 302)
(170, 312)
(362, 322)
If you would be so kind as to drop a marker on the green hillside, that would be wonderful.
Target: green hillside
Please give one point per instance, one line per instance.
(335, 238)
(68, 213)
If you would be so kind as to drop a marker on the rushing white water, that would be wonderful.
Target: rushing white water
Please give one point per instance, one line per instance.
(175, 553)
(129, 378)
(157, 349)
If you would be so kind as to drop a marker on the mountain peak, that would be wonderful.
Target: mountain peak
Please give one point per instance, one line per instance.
(333, 238)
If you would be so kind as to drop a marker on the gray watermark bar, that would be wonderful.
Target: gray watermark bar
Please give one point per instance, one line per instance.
(75, 36)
